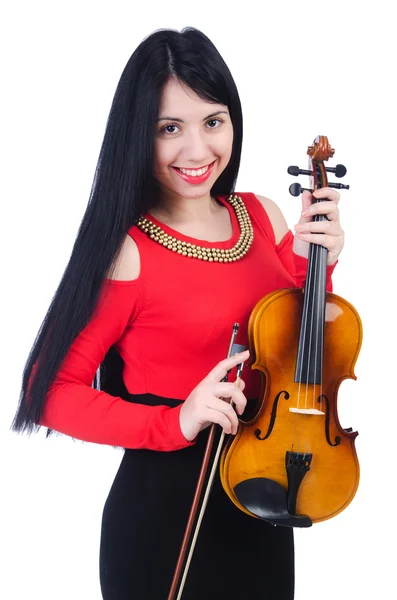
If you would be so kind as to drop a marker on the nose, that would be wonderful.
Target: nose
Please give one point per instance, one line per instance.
(196, 149)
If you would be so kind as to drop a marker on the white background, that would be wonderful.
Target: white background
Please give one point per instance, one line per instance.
(302, 69)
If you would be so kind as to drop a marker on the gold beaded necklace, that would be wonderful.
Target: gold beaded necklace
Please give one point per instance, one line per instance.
(239, 250)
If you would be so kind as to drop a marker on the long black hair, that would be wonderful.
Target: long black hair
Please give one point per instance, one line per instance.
(123, 188)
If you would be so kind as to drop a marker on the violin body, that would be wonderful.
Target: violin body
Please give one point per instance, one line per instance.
(273, 331)
(293, 464)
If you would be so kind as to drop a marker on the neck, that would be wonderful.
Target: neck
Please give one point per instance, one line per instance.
(178, 209)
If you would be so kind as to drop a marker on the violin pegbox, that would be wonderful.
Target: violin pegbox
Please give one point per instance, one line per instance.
(319, 152)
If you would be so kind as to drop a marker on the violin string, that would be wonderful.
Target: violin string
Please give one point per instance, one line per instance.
(304, 321)
(302, 353)
(314, 265)
(322, 251)
(312, 261)
(321, 254)
(314, 311)
(318, 302)
(317, 264)
(323, 304)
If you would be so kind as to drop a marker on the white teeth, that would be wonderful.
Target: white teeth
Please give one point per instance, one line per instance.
(195, 172)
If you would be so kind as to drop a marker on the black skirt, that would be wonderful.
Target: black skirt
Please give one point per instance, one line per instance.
(236, 557)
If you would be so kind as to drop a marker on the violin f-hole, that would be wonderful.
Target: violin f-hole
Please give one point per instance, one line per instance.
(257, 432)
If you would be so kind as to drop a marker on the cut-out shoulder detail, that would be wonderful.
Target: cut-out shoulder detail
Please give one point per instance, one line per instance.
(276, 217)
(128, 264)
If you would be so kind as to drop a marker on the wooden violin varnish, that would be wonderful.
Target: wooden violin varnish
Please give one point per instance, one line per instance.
(293, 464)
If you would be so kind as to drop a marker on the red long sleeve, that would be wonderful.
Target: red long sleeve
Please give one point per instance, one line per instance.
(171, 326)
(75, 408)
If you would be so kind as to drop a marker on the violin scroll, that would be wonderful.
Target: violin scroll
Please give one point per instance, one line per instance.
(318, 153)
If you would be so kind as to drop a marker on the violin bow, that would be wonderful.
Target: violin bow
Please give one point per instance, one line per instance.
(233, 349)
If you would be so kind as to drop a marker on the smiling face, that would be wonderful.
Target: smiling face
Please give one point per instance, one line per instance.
(193, 143)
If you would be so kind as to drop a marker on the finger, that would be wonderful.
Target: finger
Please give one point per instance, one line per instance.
(331, 242)
(240, 383)
(307, 199)
(231, 390)
(217, 405)
(221, 369)
(330, 209)
(218, 417)
(329, 227)
(306, 203)
(327, 192)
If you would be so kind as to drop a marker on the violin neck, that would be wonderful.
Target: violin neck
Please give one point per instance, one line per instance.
(309, 363)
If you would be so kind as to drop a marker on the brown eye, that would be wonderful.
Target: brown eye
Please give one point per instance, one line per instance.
(214, 123)
(169, 129)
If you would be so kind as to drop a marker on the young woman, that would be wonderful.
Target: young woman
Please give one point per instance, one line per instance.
(132, 350)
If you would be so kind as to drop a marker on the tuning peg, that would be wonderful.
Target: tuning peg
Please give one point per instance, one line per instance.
(297, 171)
(296, 189)
(338, 186)
(339, 170)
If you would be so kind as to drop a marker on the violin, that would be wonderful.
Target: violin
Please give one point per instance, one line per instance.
(293, 464)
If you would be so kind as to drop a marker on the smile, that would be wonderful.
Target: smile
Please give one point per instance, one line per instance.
(195, 175)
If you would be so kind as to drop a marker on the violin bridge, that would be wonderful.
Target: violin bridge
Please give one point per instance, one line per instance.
(307, 411)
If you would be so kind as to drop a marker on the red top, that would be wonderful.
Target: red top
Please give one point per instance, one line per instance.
(171, 326)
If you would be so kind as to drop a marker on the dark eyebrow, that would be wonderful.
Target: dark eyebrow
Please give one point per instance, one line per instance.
(219, 112)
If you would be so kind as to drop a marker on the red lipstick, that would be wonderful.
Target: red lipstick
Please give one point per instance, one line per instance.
(195, 179)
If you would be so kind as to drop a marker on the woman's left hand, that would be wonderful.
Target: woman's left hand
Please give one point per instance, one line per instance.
(326, 233)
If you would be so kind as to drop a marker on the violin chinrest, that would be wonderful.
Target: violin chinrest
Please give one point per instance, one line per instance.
(267, 500)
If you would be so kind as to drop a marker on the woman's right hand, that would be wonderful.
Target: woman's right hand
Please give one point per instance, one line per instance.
(204, 405)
